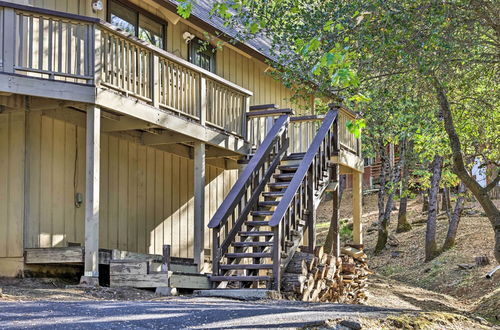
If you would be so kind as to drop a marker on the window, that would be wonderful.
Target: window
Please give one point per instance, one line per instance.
(137, 23)
(202, 54)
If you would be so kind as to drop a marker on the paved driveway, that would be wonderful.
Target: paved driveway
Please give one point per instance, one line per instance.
(177, 313)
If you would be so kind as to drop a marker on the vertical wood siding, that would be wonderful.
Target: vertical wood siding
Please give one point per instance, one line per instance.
(11, 183)
(146, 194)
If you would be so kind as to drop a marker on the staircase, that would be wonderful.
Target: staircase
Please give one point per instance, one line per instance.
(262, 221)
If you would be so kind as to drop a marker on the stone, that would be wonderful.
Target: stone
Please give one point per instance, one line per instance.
(350, 324)
(166, 291)
(89, 281)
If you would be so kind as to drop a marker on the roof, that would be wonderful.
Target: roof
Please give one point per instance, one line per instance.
(201, 14)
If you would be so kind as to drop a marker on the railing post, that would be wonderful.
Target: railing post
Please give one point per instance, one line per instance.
(244, 124)
(277, 257)
(311, 212)
(95, 55)
(155, 80)
(202, 100)
(215, 250)
(9, 40)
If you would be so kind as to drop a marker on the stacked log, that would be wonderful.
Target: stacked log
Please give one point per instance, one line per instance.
(320, 277)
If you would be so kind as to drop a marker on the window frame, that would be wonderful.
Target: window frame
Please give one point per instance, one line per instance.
(139, 11)
(212, 51)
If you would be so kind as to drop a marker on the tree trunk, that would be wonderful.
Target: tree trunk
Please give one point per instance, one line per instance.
(480, 193)
(425, 201)
(403, 224)
(455, 219)
(431, 250)
(382, 220)
(385, 210)
(446, 202)
(342, 184)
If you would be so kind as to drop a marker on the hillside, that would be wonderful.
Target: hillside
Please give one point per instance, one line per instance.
(403, 261)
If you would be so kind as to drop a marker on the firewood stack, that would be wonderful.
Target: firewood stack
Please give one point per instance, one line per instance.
(319, 277)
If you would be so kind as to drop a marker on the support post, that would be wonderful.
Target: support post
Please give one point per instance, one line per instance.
(357, 207)
(311, 214)
(335, 228)
(91, 268)
(199, 204)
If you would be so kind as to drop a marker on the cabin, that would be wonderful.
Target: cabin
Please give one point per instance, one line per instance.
(131, 150)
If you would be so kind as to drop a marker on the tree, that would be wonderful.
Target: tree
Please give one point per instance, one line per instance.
(446, 53)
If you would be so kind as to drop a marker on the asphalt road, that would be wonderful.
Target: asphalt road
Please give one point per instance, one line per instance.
(177, 313)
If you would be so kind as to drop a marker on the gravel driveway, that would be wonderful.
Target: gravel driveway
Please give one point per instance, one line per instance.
(177, 313)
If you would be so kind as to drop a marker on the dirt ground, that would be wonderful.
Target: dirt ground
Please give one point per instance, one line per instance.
(403, 259)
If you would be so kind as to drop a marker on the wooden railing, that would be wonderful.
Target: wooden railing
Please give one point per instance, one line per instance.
(302, 132)
(244, 194)
(260, 122)
(40, 44)
(347, 139)
(299, 200)
(60, 46)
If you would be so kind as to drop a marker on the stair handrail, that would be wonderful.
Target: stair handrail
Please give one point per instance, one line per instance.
(256, 175)
(303, 168)
(300, 198)
(238, 189)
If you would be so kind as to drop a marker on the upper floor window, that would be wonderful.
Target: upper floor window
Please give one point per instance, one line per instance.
(202, 54)
(137, 23)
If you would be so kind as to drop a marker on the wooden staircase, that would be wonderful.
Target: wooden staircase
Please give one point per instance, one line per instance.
(262, 221)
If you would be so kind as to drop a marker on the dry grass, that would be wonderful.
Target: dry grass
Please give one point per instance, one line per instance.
(441, 275)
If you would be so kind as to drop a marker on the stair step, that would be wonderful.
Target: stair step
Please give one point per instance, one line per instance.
(248, 255)
(295, 156)
(246, 266)
(246, 244)
(289, 168)
(268, 203)
(262, 213)
(284, 176)
(256, 233)
(240, 278)
(257, 223)
(273, 194)
(278, 185)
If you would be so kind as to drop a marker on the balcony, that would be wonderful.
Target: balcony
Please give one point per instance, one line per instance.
(87, 60)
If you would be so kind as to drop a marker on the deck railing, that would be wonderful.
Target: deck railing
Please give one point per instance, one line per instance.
(60, 46)
(347, 139)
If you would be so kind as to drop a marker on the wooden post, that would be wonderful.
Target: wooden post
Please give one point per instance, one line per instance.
(334, 175)
(244, 124)
(165, 265)
(202, 111)
(9, 40)
(311, 213)
(357, 207)
(155, 82)
(95, 55)
(91, 268)
(199, 203)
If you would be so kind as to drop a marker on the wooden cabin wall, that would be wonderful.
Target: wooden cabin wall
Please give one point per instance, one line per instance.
(11, 183)
(146, 195)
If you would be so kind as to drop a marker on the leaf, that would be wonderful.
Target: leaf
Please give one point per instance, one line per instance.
(184, 8)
